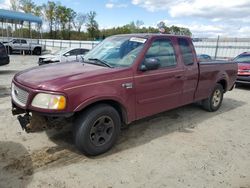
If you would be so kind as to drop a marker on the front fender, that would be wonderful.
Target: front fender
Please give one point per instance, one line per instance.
(128, 113)
(93, 100)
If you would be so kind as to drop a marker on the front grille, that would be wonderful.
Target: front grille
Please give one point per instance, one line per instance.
(19, 95)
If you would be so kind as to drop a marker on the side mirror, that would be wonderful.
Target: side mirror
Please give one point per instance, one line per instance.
(67, 54)
(150, 64)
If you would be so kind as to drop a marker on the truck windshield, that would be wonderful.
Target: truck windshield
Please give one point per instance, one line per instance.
(61, 51)
(243, 59)
(117, 51)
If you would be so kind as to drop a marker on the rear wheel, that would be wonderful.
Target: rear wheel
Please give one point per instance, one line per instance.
(97, 129)
(213, 102)
(37, 51)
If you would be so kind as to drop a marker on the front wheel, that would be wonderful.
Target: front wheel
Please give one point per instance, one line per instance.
(213, 102)
(97, 129)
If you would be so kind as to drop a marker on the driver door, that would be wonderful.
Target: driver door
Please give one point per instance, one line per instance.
(71, 55)
(161, 89)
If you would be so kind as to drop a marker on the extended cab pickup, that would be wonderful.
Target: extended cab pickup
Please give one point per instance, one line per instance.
(24, 45)
(123, 79)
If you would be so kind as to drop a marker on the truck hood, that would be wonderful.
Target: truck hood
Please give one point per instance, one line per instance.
(56, 76)
(49, 57)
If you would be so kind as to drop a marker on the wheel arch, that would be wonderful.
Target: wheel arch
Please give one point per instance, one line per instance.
(37, 48)
(223, 83)
(112, 102)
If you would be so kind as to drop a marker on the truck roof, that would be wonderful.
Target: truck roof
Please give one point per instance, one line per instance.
(149, 35)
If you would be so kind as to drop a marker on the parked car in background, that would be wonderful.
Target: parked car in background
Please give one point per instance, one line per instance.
(24, 45)
(125, 78)
(4, 58)
(204, 57)
(243, 61)
(64, 55)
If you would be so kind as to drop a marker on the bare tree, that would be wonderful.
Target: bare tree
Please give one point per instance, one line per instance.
(14, 5)
(92, 25)
(71, 14)
(139, 23)
(80, 19)
(37, 11)
(50, 15)
(27, 6)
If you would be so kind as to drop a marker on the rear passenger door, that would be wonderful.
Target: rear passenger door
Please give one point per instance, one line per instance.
(191, 70)
(24, 45)
(161, 89)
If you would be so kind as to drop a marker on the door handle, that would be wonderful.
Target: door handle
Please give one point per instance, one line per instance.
(178, 76)
(127, 85)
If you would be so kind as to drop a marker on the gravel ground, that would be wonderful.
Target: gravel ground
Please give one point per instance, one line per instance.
(185, 147)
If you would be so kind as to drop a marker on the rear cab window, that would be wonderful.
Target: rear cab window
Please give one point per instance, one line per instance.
(186, 51)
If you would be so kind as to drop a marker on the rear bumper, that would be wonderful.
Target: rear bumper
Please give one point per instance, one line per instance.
(243, 79)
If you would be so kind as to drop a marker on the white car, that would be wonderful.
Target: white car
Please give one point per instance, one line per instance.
(64, 55)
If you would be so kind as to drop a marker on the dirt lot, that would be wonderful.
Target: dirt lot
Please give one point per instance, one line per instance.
(186, 147)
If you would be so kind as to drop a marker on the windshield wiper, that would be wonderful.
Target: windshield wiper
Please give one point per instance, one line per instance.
(101, 61)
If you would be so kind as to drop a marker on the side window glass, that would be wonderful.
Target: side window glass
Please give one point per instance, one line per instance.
(186, 51)
(82, 51)
(16, 41)
(72, 52)
(162, 50)
(23, 41)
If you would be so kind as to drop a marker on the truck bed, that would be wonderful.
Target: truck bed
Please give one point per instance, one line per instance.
(211, 72)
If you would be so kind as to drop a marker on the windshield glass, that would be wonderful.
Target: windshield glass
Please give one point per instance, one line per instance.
(117, 51)
(243, 58)
(61, 51)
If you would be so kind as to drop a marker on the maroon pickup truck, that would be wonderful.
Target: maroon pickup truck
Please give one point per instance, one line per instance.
(123, 79)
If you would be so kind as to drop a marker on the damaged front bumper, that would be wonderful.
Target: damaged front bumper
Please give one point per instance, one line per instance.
(36, 122)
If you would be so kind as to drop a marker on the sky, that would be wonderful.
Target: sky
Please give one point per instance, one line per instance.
(205, 18)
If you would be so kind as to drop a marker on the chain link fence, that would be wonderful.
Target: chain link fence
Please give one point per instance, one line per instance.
(59, 44)
(218, 48)
(221, 48)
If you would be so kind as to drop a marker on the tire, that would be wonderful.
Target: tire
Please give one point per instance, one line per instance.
(213, 102)
(97, 129)
(8, 50)
(28, 52)
(37, 51)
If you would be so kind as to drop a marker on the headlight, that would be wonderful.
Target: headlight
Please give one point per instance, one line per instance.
(49, 101)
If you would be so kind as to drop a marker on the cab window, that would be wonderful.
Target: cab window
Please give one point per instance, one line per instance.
(16, 41)
(186, 51)
(83, 51)
(23, 41)
(74, 52)
(163, 51)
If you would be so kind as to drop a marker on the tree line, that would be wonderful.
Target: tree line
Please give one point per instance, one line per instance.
(65, 23)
